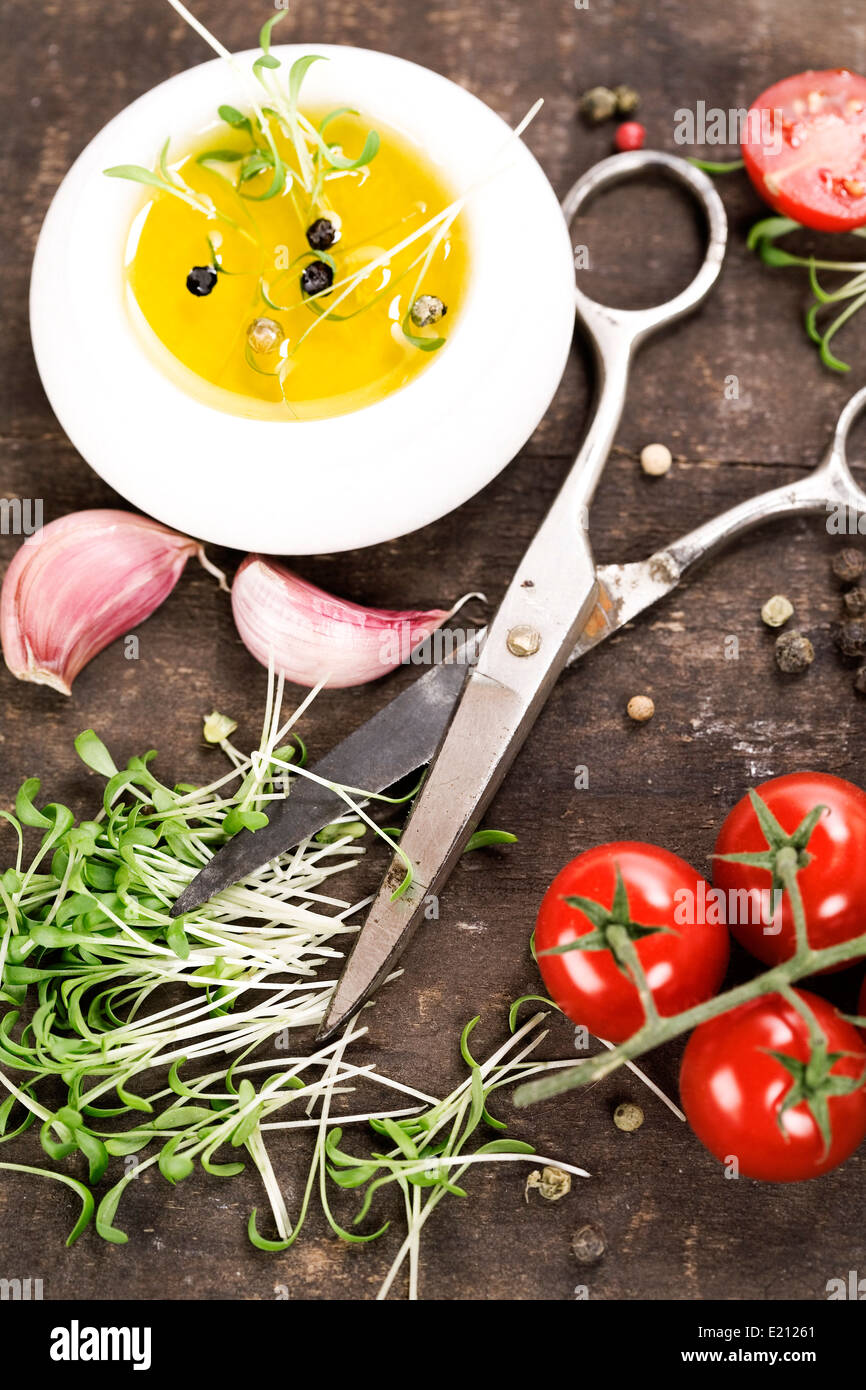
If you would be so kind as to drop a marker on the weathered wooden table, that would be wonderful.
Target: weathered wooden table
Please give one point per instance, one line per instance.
(675, 1228)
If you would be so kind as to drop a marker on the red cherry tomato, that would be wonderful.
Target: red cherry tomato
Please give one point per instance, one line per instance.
(630, 136)
(733, 1090)
(832, 885)
(804, 146)
(684, 964)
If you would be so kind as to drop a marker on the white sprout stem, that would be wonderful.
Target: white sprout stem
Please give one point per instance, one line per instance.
(656, 1090)
(432, 1165)
(256, 1146)
(414, 1243)
(212, 569)
(25, 1099)
(345, 1119)
(222, 52)
(448, 214)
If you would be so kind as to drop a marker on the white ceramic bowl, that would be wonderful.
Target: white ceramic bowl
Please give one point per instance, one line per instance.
(303, 487)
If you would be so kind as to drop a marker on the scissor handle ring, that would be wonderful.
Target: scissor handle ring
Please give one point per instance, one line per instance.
(637, 323)
(848, 415)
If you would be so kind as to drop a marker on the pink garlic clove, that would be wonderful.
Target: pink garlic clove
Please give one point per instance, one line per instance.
(79, 583)
(311, 636)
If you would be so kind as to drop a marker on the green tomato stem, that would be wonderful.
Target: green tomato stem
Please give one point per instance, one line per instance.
(804, 962)
(626, 953)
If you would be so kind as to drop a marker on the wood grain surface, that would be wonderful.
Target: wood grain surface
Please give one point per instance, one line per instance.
(675, 1227)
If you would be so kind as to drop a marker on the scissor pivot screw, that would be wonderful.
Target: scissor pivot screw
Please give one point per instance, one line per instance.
(523, 640)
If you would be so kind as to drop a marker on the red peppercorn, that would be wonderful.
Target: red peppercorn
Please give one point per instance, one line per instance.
(630, 136)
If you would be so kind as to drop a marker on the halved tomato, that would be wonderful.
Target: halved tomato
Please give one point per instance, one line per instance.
(804, 146)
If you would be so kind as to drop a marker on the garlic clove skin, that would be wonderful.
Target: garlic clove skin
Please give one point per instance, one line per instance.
(79, 583)
(312, 636)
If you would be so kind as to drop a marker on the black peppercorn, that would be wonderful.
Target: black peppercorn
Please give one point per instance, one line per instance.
(794, 653)
(321, 234)
(855, 602)
(860, 681)
(849, 565)
(851, 637)
(316, 277)
(201, 280)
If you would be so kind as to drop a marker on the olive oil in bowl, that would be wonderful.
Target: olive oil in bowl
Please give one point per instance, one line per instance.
(303, 296)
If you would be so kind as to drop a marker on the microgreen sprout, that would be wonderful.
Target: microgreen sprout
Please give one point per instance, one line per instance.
(713, 166)
(847, 298)
(168, 180)
(127, 1034)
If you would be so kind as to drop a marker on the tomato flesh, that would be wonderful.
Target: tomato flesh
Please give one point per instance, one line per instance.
(804, 147)
(732, 1090)
(832, 885)
(684, 964)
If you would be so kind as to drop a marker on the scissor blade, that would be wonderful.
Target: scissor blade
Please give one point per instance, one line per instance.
(489, 709)
(624, 591)
(550, 599)
(407, 731)
(402, 737)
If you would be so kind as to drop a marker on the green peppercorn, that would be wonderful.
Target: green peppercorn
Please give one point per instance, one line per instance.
(551, 1183)
(627, 100)
(777, 610)
(628, 1117)
(598, 104)
(264, 335)
(794, 653)
(427, 309)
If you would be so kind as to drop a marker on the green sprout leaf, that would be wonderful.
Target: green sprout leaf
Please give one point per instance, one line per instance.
(298, 71)
(482, 839)
(136, 173)
(86, 1196)
(259, 1241)
(423, 344)
(93, 752)
(762, 239)
(710, 166)
(236, 119)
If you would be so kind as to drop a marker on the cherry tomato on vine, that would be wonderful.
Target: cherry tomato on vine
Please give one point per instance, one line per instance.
(832, 881)
(743, 1102)
(804, 148)
(628, 897)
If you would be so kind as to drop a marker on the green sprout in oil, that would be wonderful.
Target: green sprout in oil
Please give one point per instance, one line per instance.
(274, 103)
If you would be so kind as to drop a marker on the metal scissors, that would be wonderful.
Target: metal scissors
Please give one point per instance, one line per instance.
(558, 606)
